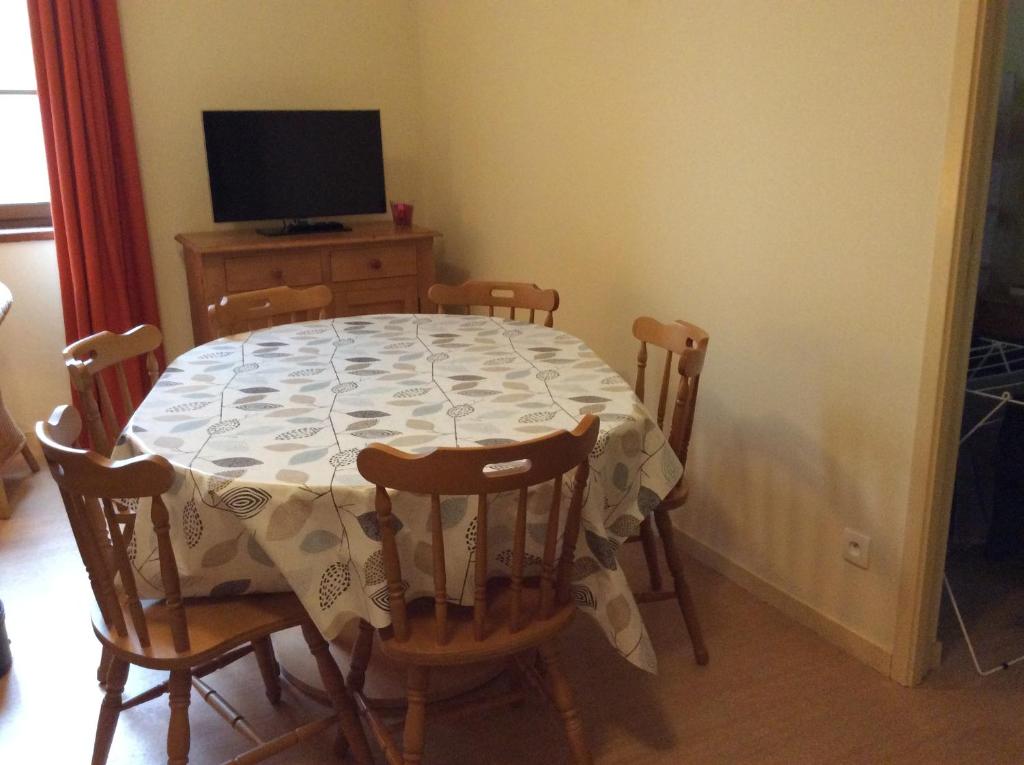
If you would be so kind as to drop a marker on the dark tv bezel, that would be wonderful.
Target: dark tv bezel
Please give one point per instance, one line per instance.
(382, 208)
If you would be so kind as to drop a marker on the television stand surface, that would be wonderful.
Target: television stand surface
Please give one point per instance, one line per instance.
(304, 227)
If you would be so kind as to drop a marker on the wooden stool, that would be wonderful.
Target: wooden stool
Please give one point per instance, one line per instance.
(12, 439)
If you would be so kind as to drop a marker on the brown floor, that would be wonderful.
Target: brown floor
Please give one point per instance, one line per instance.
(773, 693)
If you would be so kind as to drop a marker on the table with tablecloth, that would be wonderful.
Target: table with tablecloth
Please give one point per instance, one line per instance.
(263, 430)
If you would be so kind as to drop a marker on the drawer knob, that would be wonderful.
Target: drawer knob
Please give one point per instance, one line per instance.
(277, 273)
(376, 264)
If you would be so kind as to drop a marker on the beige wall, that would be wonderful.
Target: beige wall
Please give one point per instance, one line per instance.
(186, 56)
(32, 374)
(768, 170)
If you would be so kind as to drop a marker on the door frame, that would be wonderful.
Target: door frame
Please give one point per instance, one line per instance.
(963, 198)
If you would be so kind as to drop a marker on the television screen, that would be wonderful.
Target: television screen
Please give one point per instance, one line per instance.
(294, 164)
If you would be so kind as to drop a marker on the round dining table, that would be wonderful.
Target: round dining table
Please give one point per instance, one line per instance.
(263, 429)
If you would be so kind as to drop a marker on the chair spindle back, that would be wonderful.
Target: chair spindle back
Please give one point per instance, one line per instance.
(482, 472)
(690, 344)
(259, 309)
(93, 489)
(96, 365)
(491, 295)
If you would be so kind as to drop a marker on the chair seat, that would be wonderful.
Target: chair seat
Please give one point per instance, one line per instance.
(423, 649)
(215, 625)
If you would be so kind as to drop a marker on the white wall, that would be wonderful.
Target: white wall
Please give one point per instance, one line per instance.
(768, 170)
(186, 56)
(32, 374)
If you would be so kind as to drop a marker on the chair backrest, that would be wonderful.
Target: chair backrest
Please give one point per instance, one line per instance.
(93, 487)
(481, 472)
(690, 344)
(491, 295)
(96, 365)
(245, 311)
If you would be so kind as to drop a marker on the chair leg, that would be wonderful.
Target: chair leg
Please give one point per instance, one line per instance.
(650, 545)
(30, 458)
(561, 695)
(178, 733)
(104, 667)
(360, 656)
(5, 506)
(675, 566)
(516, 681)
(269, 669)
(110, 710)
(416, 716)
(357, 670)
(334, 684)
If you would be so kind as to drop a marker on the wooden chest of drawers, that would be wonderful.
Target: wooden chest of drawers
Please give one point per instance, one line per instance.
(375, 268)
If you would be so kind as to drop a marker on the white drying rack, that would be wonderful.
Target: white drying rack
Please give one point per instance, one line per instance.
(989, 358)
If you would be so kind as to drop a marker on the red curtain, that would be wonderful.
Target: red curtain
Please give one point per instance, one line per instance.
(103, 256)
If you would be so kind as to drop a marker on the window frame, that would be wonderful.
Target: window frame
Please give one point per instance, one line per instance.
(25, 220)
(25, 215)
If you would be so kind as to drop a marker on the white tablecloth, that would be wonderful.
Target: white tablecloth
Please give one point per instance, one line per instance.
(263, 430)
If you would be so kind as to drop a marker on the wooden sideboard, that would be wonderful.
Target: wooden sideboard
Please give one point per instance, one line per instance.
(376, 267)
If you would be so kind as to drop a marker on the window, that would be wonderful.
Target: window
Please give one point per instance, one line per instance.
(24, 184)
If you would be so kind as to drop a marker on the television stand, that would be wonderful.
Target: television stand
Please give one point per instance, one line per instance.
(304, 227)
(377, 267)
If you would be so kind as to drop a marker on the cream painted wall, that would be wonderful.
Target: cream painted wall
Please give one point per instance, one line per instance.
(32, 374)
(189, 55)
(768, 170)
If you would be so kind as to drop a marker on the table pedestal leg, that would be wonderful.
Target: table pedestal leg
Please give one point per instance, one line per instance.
(385, 679)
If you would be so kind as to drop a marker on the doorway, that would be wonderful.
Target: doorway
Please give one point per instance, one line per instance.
(980, 623)
(974, 101)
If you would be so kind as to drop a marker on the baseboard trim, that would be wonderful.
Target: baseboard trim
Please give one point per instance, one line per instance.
(858, 646)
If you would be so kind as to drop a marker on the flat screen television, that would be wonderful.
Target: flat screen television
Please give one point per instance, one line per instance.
(294, 165)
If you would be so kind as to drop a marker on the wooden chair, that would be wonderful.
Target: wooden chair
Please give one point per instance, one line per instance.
(96, 364)
(188, 637)
(511, 295)
(510, 616)
(12, 438)
(245, 311)
(690, 344)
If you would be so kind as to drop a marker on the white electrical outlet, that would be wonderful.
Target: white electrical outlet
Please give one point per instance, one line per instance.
(856, 547)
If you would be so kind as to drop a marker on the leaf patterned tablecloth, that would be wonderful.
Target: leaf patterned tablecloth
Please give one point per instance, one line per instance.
(263, 429)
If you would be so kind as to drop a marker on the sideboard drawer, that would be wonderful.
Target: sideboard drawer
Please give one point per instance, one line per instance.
(256, 272)
(375, 263)
(395, 295)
